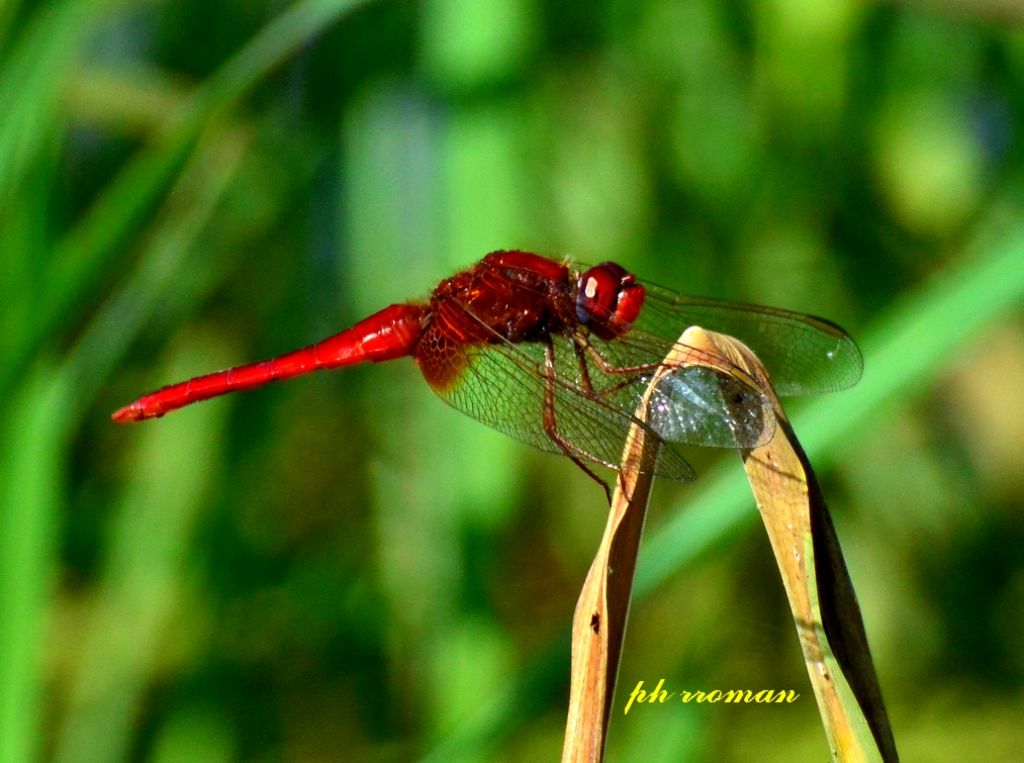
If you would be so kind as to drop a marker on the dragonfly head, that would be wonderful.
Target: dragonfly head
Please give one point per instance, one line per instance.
(608, 300)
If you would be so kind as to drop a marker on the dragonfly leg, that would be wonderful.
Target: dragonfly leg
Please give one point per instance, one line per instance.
(582, 348)
(581, 361)
(698, 355)
(608, 368)
(551, 424)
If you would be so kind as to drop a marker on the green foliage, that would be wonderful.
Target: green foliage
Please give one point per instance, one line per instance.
(344, 568)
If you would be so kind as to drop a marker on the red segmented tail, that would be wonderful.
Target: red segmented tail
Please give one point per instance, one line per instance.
(391, 333)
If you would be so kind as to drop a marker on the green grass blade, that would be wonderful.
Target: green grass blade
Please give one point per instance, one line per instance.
(32, 445)
(8, 10)
(162, 267)
(134, 609)
(83, 256)
(32, 77)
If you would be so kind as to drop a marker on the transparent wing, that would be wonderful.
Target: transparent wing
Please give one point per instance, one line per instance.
(691, 404)
(804, 355)
(700, 406)
(505, 386)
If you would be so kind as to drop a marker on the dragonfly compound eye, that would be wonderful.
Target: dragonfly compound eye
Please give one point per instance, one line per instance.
(609, 300)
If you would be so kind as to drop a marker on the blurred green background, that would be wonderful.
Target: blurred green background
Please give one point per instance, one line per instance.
(341, 567)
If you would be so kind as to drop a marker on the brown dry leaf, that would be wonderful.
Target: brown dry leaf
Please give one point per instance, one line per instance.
(803, 539)
(818, 586)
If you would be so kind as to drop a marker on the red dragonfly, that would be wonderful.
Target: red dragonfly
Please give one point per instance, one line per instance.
(559, 356)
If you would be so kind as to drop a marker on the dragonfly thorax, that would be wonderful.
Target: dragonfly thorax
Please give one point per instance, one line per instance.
(499, 300)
